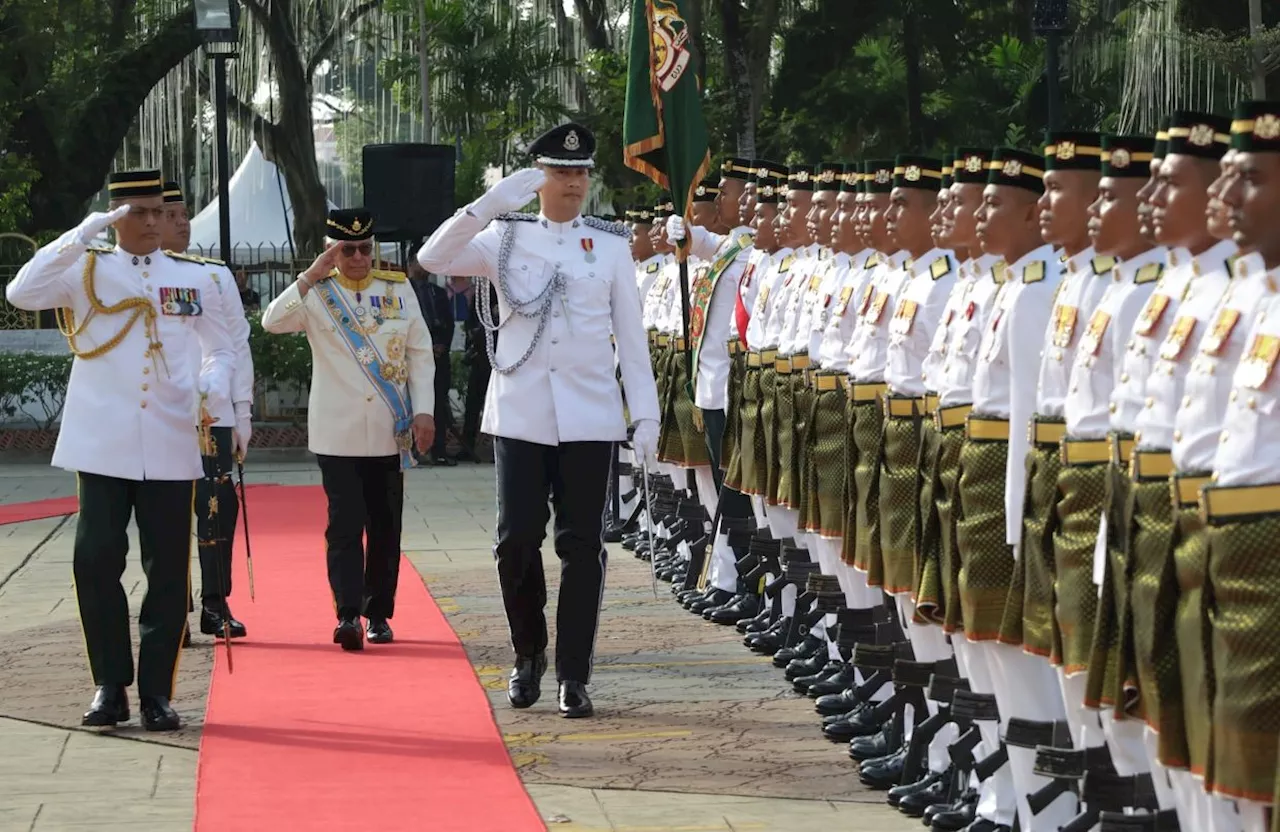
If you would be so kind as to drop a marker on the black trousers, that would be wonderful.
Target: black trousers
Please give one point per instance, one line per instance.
(217, 510)
(162, 509)
(366, 501)
(473, 410)
(730, 502)
(574, 477)
(444, 410)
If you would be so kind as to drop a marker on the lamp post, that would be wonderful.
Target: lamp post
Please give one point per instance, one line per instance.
(1049, 19)
(218, 22)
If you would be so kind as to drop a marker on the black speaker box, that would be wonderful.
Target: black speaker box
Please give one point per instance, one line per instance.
(409, 188)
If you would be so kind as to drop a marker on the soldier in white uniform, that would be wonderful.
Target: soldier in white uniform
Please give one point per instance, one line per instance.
(555, 410)
(132, 315)
(216, 504)
(372, 400)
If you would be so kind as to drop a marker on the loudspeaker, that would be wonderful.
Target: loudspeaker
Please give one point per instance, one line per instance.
(409, 188)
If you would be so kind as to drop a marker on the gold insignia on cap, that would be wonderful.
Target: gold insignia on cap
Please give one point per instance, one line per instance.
(1012, 167)
(1267, 127)
(355, 225)
(1120, 158)
(571, 141)
(1201, 135)
(912, 173)
(767, 191)
(827, 177)
(973, 164)
(884, 176)
(802, 176)
(702, 190)
(1066, 151)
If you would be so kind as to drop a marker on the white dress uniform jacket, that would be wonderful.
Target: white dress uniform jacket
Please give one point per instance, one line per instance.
(768, 289)
(1249, 446)
(813, 317)
(1085, 279)
(837, 296)
(952, 375)
(1004, 381)
(566, 391)
(647, 273)
(1198, 424)
(915, 320)
(130, 412)
(238, 330)
(711, 388)
(868, 349)
(346, 415)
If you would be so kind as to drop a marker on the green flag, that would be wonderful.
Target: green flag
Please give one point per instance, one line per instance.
(664, 134)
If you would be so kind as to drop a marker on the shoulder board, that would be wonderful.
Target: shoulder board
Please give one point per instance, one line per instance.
(100, 249)
(1148, 273)
(389, 275)
(517, 217)
(940, 268)
(1000, 272)
(746, 240)
(186, 258)
(1103, 265)
(615, 228)
(1230, 263)
(872, 261)
(1033, 272)
(786, 262)
(212, 262)
(1062, 258)
(653, 267)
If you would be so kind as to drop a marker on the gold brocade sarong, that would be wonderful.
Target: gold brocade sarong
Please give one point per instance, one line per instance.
(849, 540)
(802, 396)
(1243, 615)
(1153, 606)
(782, 478)
(868, 434)
(926, 583)
(827, 471)
(767, 476)
(950, 443)
(670, 442)
(900, 495)
(1082, 493)
(1040, 634)
(986, 560)
(1189, 748)
(1105, 682)
(732, 417)
(751, 441)
(691, 450)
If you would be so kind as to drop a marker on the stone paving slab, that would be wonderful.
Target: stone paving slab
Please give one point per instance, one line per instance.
(694, 733)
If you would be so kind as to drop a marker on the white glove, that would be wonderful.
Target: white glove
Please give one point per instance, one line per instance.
(644, 442)
(97, 222)
(515, 191)
(675, 229)
(243, 430)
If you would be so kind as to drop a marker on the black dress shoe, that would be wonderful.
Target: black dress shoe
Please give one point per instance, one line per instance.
(898, 794)
(574, 702)
(744, 610)
(835, 683)
(349, 634)
(957, 817)
(984, 825)
(110, 706)
(157, 715)
(524, 686)
(379, 631)
(212, 619)
(876, 745)
(716, 598)
(885, 773)
(757, 623)
(806, 667)
(802, 684)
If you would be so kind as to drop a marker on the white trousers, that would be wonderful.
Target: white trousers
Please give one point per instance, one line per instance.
(997, 799)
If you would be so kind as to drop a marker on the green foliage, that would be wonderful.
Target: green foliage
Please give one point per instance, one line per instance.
(34, 381)
(280, 362)
(605, 74)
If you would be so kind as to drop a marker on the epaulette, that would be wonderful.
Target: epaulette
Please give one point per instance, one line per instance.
(1103, 265)
(516, 216)
(100, 249)
(872, 261)
(1148, 273)
(745, 240)
(1000, 271)
(940, 268)
(1033, 272)
(186, 258)
(389, 275)
(615, 228)
(653, 267)
(1231, 265)
(785, 265)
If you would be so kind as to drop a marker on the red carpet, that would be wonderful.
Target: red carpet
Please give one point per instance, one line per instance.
(304, 736)
(38, 510)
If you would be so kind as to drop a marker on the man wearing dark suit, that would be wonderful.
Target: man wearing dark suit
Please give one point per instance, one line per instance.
(434, 301)
(479, 370)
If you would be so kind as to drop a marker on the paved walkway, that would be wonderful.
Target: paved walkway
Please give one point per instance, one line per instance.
(712, 742)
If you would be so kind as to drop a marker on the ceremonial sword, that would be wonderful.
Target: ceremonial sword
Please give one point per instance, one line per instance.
(244, 512)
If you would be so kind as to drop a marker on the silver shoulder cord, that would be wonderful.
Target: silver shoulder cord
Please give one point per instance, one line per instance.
(538, 306)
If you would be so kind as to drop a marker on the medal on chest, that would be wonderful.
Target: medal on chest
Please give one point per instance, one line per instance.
(1064, 328)
(1151, 314)
(877, 307)
(1259, 361)
(903, 317)
(1176, 341)
(845, 295)
(588, 248)
(1218, 336)
(1091, 343)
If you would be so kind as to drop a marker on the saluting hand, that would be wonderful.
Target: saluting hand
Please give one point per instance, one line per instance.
(325, 263)
(97, 222)
(515, 191)
(424, 432)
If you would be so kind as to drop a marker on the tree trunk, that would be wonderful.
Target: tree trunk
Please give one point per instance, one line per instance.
(74, 153)
(591, 16)
(738, 76)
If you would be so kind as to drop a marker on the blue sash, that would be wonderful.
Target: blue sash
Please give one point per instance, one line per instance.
(336, 305)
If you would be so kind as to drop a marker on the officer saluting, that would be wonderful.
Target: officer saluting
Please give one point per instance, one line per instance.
(372, 398)
(131, 315)
(565, 284)
(216, 505)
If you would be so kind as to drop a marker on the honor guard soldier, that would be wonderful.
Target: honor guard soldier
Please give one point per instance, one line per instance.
(1240, 505)
(132, 316)
(565, 285)
(372, 400)
(217, 506)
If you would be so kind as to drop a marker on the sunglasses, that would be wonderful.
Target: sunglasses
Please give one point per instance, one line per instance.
(364, 248)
